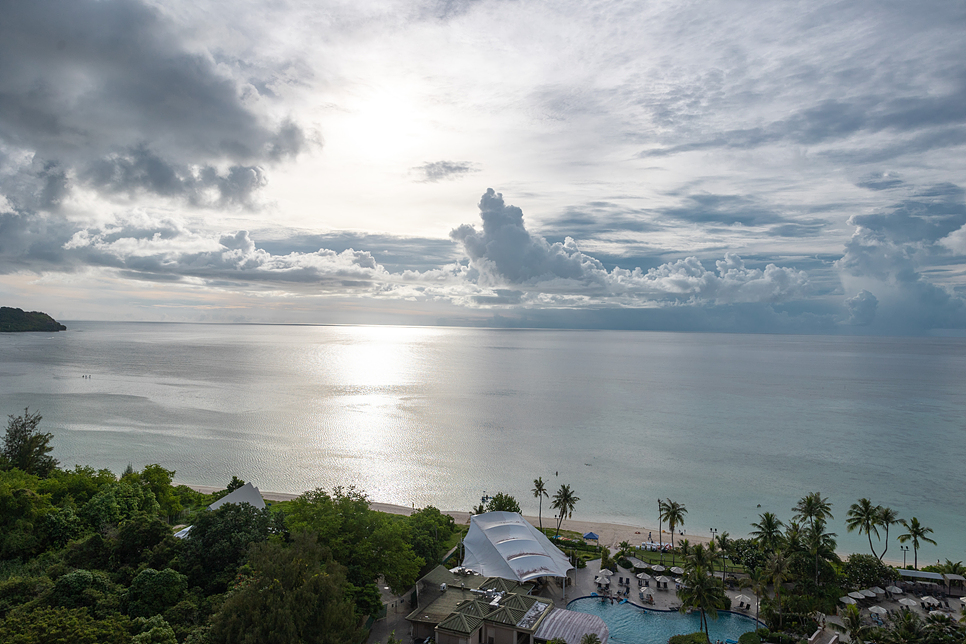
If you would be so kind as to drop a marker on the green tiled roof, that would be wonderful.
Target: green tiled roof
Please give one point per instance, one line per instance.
(460, 623)
(504, 615)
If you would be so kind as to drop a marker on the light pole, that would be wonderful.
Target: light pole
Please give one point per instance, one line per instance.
(904, 549)
(660, 531)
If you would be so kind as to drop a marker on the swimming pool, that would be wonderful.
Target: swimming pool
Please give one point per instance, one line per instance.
(630, 624)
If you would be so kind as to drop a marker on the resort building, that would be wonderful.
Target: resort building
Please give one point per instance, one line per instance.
(488, 599)
(465, 608)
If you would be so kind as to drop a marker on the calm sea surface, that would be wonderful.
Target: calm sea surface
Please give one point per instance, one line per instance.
(721, 423)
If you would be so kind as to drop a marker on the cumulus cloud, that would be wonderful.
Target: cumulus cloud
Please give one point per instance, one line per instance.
(505, 253)
(888, 254)
(861, 308)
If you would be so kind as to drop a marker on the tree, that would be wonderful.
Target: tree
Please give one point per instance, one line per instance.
(295, 594)
(367, 543)
(757, 581)
(820, 545)
(502, 502)
(45, 625)
(887, 517)
(158, 480)
(673, 513)
(590, 638)
(915, 532)
(540, 491)
(701, 591)
(779, 567)
(234, 484)
(564, 501)
(864, 517)
(153, 591)
(852, 625)
(813, 507)
(428, 528)
(768, 531)
(26, 448)
(724, 545)
(219, 540)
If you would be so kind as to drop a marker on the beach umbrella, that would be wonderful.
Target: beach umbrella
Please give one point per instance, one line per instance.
(592, 536)
(878, 609)
(856, 595)
(846, 600)
(606, 572)
(643, 575)
(663, 579)
(658, 568)
(930, 600)
(906, 601)
(867, 593)
(743, 598)
(877, 590)
(677, 570)
(895, 590)
(936, 612)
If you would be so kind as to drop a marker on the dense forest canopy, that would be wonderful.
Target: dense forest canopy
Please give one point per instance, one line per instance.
(90, 554)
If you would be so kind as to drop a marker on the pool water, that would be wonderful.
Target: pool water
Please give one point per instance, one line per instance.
(629, 624)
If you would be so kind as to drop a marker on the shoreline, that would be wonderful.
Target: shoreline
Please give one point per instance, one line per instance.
(611, 534)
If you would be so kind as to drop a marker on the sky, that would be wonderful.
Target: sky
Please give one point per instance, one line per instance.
(729, 166)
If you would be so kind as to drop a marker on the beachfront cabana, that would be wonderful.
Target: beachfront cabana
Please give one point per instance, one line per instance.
(504, 544)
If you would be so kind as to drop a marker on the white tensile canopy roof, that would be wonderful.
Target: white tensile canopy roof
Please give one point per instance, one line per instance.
(247, 493)
(504, 544)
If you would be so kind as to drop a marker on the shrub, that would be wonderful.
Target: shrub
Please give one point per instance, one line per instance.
(691, 638)
(863, 571)
(152, 592)
(751, 637)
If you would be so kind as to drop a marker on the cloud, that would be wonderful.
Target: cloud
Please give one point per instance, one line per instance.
(505, 253)
(112, 95)
(861, 308)
(888, 254)
(443, 170)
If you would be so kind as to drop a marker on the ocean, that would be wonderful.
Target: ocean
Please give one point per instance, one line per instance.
(728, 425)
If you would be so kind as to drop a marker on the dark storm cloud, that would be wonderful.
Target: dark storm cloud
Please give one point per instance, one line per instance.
(108, 88)
(442, 170)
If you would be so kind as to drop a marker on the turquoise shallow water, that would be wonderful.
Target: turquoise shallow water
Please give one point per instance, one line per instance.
(629, 624)
(721, 423)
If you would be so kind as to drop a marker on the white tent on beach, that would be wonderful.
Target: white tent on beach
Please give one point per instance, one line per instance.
(504, 544)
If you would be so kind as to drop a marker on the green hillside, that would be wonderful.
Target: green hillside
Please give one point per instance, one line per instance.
(17, 320)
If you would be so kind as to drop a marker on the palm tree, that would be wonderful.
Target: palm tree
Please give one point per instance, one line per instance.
(852, 624)
(685, 548)
(887, 517)
(819, 544)
(702, 592)
(673, 513)
(564, 501)
(700, 557)
(768, 531)
(915, 532)
(539, 491)
(724, 545)
(779, 569)
(864, 517)
(906, 628)
(757, 581)
(811, 507)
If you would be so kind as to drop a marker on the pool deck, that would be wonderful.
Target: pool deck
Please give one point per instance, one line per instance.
(585, 586)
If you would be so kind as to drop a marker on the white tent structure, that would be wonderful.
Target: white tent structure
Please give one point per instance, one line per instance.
(247, 493)
(504, 544)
